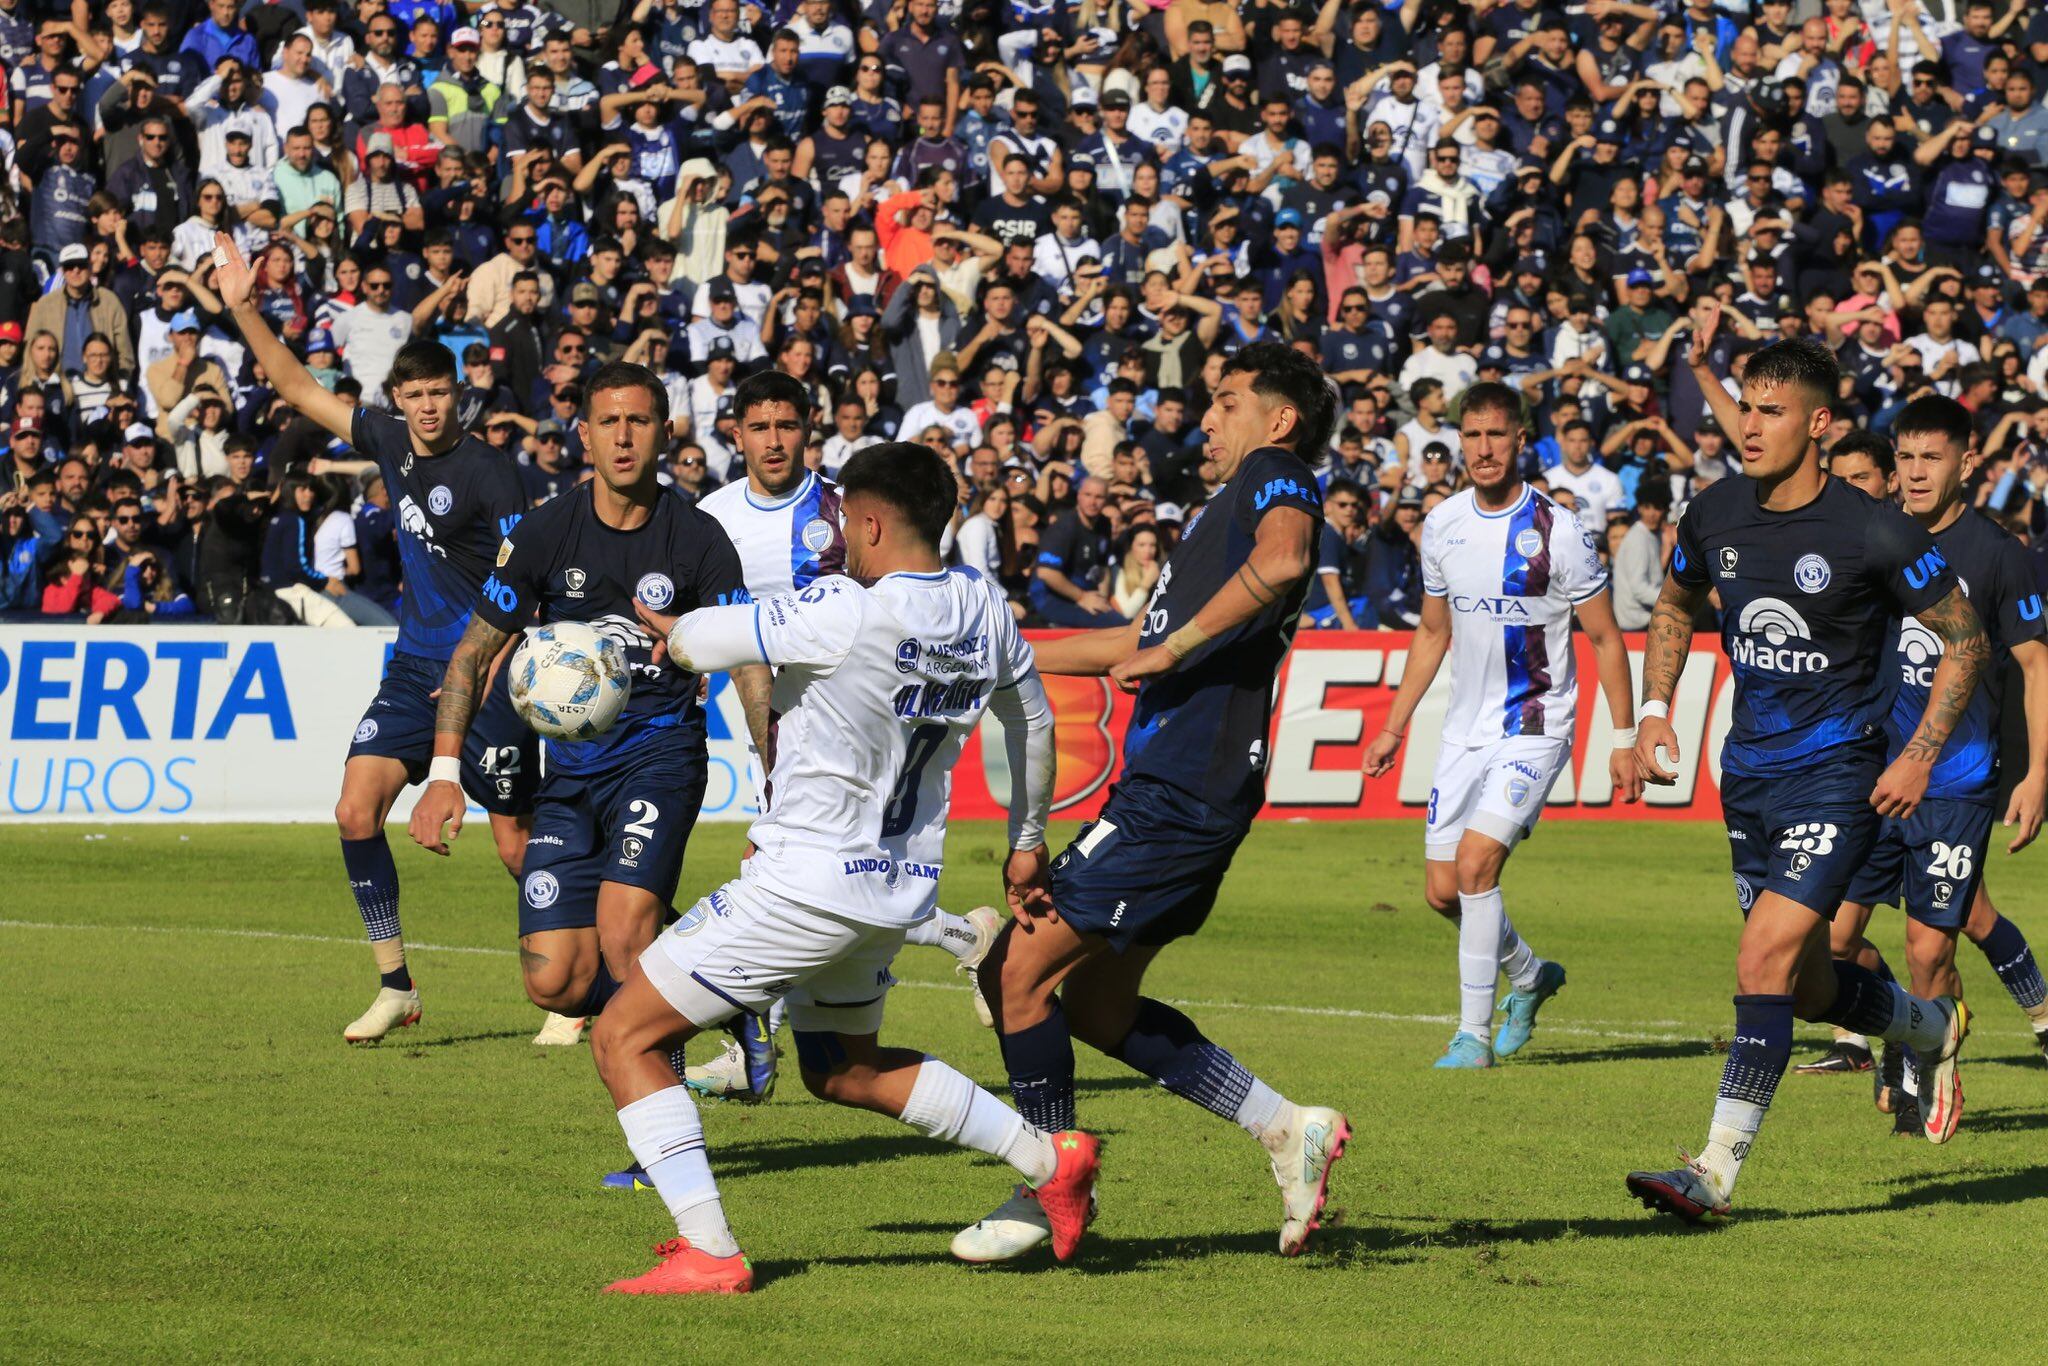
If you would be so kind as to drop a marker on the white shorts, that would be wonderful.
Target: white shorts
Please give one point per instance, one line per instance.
(1497, 790)
(744, 946)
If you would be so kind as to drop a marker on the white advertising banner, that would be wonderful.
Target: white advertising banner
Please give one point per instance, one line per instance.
(212, 723)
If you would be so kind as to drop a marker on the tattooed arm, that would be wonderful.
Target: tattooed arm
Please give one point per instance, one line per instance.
(1966, 652)
(1283, 555)
(462, 691)
(1669, 641)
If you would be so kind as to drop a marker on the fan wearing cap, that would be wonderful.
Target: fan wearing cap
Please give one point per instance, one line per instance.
(461, 103)
(724, 323)
(456, 501)
(77, 309)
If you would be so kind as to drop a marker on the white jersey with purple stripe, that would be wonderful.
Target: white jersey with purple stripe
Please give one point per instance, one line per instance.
(785, 543)
(1511, 579)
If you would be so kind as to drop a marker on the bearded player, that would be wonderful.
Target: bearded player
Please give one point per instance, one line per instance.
(1503, 571)
(456, 499)
(1810, 572)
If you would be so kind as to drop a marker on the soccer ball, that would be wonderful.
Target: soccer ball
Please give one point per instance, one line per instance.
(569, 680)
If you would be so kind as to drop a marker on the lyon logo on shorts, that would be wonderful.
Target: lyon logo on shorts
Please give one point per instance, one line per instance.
(366, 731)
(655, 590)
(541, 890)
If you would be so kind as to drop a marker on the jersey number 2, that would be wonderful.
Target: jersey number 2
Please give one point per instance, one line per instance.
(902, 808)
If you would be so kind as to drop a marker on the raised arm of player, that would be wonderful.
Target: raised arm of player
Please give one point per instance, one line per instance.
(1426, 650)
(1669, 642)
(1610, 657)
(463, 687)
(1965, 652)
(1283, 555)
(1088, 654)
(293, 382)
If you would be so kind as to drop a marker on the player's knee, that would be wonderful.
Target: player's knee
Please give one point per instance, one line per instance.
(552, 985)
(1479, 867)
(356, 818)
(605, 1041)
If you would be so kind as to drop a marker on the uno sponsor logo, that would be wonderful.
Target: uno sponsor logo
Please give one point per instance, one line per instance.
(1770, 631)
(1281, 488)
(1922, 571)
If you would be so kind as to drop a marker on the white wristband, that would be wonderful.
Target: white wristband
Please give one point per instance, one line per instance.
(445, 768)
(1660, 710)
(1625, 739)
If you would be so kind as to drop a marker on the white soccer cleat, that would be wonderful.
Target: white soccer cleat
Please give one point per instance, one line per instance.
(724, 1076)
(1303, 1153)
(1941, 1078)
(987, 925)
(560, 1031)
(393, 1009)
(1010, 1230)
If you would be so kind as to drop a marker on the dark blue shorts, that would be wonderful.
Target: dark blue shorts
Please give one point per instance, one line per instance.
(626, 825)
(1145, 871)
(500, 757)
(1803, 835)
(1935, 856)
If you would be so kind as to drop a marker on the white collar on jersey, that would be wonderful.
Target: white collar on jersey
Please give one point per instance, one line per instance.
(1528, 492)
(810, 480)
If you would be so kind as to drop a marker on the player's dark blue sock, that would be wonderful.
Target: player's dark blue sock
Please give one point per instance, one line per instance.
(1749, 1079)
(1883, 969)
(1040, 1061)
(1168, 1047)
(2014, 963)
(373, 877)
(603, 987)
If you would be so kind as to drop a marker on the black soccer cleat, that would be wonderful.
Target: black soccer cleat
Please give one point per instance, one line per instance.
(1889, 1077)
(1843, 1057)
(1906, 1120)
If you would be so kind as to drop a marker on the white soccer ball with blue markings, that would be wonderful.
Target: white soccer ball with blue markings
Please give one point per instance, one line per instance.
(570, 680)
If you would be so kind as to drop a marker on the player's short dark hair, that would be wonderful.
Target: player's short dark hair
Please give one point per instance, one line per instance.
(625, 374)
(1801, 362)
(1491, 396)
(771, 386)
(910, 478)
(1934, 415)
(1869, 445)
(419, 360)
(1279, 371)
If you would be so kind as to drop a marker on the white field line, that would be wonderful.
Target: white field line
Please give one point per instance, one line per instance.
(1584, 1031)
(1619, 1031)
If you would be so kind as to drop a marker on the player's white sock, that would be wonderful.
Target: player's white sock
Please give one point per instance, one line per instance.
(1479, 925)
(1517, 959)
(775, 1012)
(946, 1105)
(666, 1138)
(1729, 1139)
(1847, 1038)
(943, 931)
(1915, 1022)
(1261, 1107)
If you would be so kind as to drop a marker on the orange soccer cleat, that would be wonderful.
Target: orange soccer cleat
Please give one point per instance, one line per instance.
(684, 1270)
(1064, 1196)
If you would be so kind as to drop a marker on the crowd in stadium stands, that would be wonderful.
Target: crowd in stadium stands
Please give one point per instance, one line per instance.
(1025, 232)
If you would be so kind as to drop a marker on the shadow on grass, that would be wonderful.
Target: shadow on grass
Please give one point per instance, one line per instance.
(1619, 1052)
(2005, 1121)
(453, 1040)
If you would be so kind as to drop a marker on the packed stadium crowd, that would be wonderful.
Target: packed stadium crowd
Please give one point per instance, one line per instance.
(1027, 234)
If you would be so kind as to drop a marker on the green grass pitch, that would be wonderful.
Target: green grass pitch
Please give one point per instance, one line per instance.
(193, 1165)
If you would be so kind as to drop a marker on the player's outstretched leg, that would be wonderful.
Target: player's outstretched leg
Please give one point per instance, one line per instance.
(369, 785)
(630, 1044)
(938, 1101)
(968, 938)
(1850, 1052)
(2013, 960)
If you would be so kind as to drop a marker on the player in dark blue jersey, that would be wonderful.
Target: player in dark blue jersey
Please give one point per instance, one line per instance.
(1932, 862)
(455, 499)
(1809, 573)
(615, 811)
(1202, 659)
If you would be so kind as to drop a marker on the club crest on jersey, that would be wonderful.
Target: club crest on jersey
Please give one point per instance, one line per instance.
(575, 579)
(440, 500)
(541, 890)
(1528, 542)
(817, 534)
(655, 590)
(906, 656)
(1812, 573)
(1729, 556)
(366, 731)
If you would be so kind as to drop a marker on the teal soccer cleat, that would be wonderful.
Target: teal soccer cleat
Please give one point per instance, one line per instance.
(1521, 1008)
(1466, 1051)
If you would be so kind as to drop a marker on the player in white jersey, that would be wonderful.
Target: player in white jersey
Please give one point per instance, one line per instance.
(1503, 570)
(877, 689)
(784, 520)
